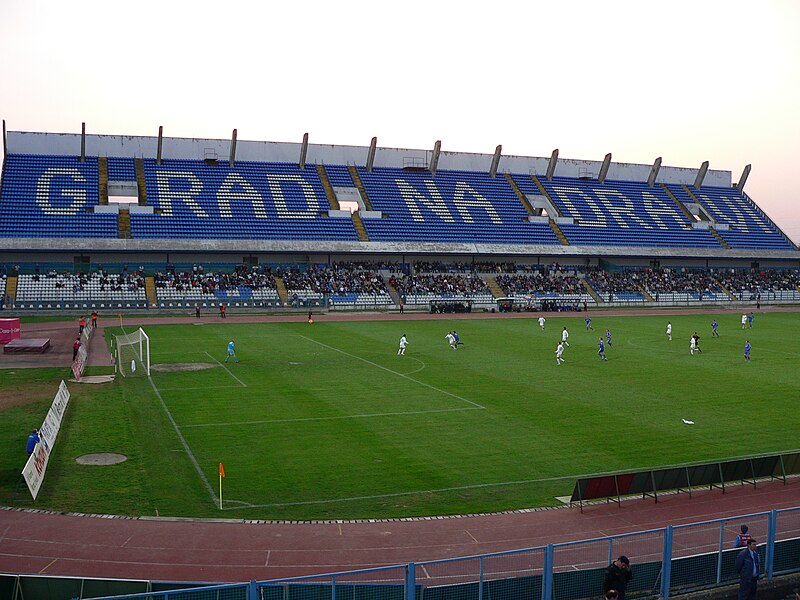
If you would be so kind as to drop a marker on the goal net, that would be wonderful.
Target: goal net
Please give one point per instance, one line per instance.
(133, 354)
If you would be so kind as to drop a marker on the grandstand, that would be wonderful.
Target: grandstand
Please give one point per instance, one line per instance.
(167, 204)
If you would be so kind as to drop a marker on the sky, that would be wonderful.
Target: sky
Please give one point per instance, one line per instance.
(683, 80)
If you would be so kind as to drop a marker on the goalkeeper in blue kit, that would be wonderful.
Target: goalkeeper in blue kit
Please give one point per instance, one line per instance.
(232, 351)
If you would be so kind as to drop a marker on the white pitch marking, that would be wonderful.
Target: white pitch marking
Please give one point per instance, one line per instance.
(242, 383)
(185, 445)
(422, 383)
(336, 418)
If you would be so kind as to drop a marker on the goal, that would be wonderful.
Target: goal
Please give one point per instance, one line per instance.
(133, 354)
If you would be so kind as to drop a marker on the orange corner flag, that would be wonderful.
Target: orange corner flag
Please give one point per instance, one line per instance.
(221, 470)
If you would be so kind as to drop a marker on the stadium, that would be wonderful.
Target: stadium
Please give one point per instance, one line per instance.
(489, 467)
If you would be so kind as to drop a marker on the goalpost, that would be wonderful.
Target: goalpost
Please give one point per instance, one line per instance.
(133, 354)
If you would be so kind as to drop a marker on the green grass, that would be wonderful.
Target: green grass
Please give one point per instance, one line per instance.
(326, 421)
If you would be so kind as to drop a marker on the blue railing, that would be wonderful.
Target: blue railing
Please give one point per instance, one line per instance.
(668, 561)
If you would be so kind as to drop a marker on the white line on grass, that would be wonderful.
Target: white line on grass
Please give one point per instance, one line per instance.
(403, 375)
(495, 484)
(204, 387)
(416, 370)
(242, 383)
(414, 493)
(340, 417)
(185, 445)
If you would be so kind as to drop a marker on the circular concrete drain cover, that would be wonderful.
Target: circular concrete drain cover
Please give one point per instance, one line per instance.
(101, 458)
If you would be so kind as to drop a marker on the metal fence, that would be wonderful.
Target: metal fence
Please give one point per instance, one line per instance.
(669, 561)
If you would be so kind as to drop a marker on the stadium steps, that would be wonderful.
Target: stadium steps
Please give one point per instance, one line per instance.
(150, 291)
(326, 185)
(678, 203)
(124, 224)
(394, 294)
(724, 289)
(523, 200)
(591, 291)
(494, 287)
(559, 234)
(359, 225)
(359, 186)
(713, 231)
(283, 294)
(544, 193)
(138, 164)
(102, 174)
(11, 290)
(646, 294)
(722, 242)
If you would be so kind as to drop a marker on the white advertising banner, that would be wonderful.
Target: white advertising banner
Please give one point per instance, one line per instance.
(35, 468)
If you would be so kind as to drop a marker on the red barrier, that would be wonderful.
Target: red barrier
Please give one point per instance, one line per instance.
(9, 330)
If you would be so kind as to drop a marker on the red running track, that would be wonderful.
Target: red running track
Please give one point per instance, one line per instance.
(216, 551)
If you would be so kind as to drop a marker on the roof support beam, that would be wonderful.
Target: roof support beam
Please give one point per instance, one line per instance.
(651, 180)
(160, 144)
(437, 149)
(601, 177)
(495, 161)
(701, 175)
(551, 168)
(304, 151)
(232, 158)
(743, 178)
(373, 145)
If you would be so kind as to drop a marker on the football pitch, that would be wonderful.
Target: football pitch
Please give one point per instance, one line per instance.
(326, 421)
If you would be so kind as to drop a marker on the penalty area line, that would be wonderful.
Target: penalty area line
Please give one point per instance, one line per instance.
(242, 383)
(185, 445)
(403, 375)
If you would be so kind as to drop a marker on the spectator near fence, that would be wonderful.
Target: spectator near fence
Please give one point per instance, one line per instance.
(33, 439)
(742, 539)
(617, 576)
(748, 566)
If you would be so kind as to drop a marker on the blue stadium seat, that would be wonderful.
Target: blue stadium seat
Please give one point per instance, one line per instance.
(52, 196)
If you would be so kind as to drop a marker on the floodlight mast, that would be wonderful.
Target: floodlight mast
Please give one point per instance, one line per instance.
(651, 180)
(5, 141)
(601, 177)
(83, 142)
(495, 161)
(371, 154)
(701, 175)
(160, 144)
(551, 168)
